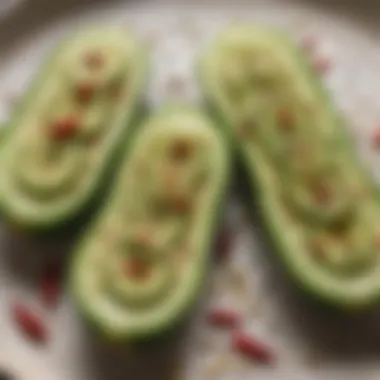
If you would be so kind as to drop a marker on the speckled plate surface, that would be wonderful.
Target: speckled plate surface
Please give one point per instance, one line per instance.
(310, 342)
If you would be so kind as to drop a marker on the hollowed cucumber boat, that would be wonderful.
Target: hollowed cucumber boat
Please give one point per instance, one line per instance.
(141, 263)
(317, 199)
(63, 139)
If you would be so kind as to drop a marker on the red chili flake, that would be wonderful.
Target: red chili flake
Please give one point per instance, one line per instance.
(251, 347)
(376, 138)
(308, 44)
(65, 128)
(32, 325)
(181, 204)
(224, 318)
(322, 66)
(85, 91)
(137, 268)
(224, 243)
(285, 120)
(94, 60)
(181, 150)
(50, 284)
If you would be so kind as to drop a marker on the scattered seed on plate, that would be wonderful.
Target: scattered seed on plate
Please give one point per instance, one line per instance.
(29, 323)
(224, 317)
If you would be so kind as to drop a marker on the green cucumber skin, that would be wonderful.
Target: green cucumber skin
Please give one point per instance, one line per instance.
(346, 142)
(159, 331)
(78, 219)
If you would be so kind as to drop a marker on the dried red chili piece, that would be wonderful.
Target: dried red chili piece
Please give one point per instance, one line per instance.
(85, 91)
(50, 284)
(251, 347)
(65, 128)
(94, 60)
(224, 318)
(32, 325)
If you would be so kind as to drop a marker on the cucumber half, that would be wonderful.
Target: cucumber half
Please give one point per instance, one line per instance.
(141, 263)
(291, 137)
(63, 140)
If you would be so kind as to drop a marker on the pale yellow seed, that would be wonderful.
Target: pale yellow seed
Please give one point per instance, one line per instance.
(237, 281)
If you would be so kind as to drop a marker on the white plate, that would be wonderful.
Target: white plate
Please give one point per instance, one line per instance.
(302, 335)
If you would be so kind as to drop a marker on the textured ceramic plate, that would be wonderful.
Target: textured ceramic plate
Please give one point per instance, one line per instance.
(310, 343)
